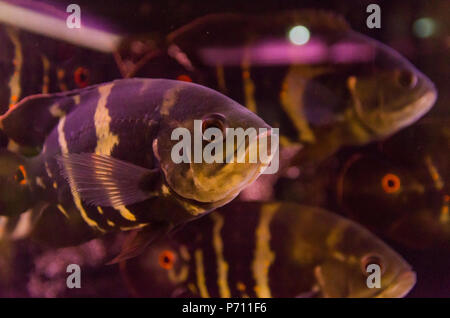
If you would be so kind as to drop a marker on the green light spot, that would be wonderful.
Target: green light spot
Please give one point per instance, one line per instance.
(299, 35)
(424, 27)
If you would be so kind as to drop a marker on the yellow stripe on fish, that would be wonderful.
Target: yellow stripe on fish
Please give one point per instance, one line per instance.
(106, 140)
(263, 256)
(76, 198)
(222, 266)
(63, 211)
(200, 273)
(14, 81)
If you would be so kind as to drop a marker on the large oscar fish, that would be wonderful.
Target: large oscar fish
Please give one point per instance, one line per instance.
(306, 72)
(106, 161)
(268, 250)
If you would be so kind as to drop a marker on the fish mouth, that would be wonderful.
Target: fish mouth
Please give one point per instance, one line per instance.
(415, 110)
(228, 179)
(260, 165)
(383, 124)
(400, 286)
(197, 208)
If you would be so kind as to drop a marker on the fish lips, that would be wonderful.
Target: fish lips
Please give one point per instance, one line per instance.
(249, 173)
(400, 286)
(416, 109)
(383, 124)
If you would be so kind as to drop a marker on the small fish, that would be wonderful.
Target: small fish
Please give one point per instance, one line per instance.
(339, 88)
(32, 64)
(276, 249)
(402, 190)
(106, 161)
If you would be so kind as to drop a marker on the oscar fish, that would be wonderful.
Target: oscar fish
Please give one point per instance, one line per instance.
(401, 190)
(339, 88)
(275, 249)
(106, 161)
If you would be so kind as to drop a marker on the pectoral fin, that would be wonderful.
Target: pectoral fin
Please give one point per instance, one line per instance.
(137, 241)
(105, 181)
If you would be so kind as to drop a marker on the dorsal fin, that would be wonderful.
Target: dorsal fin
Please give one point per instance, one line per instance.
(30, 121)
(314, 19)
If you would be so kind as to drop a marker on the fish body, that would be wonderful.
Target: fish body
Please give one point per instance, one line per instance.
(339, 88)
(275, 249)
(106, 159)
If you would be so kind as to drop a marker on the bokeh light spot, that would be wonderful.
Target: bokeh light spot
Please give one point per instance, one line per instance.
(424, 27)
(299, 35)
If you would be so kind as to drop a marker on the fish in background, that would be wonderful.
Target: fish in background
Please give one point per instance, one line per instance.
(32, 64)
(106, 161)
(402, 191)
(276, 249)
(340, 88)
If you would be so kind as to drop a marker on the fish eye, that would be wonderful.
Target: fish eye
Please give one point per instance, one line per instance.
(369, 259)
(166, 259)
(21, 175)
(406, 79)
(390, 183)
(81, 77)
(214, 121)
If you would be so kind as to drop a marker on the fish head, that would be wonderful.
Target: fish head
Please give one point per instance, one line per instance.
(377, 192)
(355, 259)
(15, 191)
(78, 68)
(221, 168)
(387, 92)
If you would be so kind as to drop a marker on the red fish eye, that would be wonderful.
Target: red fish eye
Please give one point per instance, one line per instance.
(21, 175)
(390, 183)
(369, 259)
(184, 78)
(166, 259)
(81, 77)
